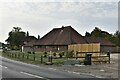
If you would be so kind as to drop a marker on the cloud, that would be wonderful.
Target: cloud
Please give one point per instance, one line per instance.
(41, 17)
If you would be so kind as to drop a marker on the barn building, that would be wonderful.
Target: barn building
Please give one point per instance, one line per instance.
(58, 39)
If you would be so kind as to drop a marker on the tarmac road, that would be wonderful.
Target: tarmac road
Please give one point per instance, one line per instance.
(16, 69)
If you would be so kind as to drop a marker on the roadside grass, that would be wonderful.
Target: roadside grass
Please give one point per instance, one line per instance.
(59, 61)
(0, 53)
(32, 58)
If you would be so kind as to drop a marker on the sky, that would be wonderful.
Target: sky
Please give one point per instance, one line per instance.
(40, 17)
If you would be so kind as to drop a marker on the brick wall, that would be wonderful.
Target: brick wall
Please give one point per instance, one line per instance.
(50, 48)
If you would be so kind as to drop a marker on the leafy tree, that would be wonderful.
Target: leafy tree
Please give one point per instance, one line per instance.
(87, 34)
(96, 32)
(117, 35)
(114, 38)
(16, 29)
(15, 38)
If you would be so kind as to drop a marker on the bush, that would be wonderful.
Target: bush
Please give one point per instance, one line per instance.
(63, 53)
(69, 54)
(60, 55)
(54, 54)
(29, 52)
(45, 54)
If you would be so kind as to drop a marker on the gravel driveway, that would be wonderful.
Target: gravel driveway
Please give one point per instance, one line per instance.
(104, 70)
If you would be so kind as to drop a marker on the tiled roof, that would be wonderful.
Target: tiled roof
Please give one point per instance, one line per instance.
(61, 36)
(100, 40)
(29, 38)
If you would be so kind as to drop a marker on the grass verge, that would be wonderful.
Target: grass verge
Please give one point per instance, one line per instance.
(31, 58)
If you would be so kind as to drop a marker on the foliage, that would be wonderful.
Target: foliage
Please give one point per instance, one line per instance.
(117, 35)
(69, 54)
(54, 54)
(60, 54)
(15, 38)
(63, 53)
(114, 38)
(45, 54)
(87, 34)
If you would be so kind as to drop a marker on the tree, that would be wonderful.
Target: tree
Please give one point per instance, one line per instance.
(114, 38)
(27, 33)
(117, 35)
(87, 34)
(15, 38)
(96, 32)
(16, 29)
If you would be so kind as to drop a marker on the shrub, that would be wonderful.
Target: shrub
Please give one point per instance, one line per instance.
(60, 55)
(54, 54)
(63, 53)
(45, 54)
(69, 54)
(29, 52)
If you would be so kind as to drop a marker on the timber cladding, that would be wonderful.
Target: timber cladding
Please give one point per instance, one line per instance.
(85, 48)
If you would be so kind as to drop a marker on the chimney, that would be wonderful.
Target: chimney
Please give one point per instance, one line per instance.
(27, 33)
(38, 37)
(62, 27)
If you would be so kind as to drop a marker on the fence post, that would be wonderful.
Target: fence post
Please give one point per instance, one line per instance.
(18, 55)
(11, 54)
(34, 55)
(22, 55)
(15, 55)
(51, 59)
(48, 58)
(76, 55)
(27, 55)
(41, 59)
(108, 54)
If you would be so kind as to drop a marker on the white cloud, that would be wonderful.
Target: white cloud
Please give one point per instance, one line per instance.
(40, 17)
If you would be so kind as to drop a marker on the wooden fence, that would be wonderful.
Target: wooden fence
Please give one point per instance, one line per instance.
(80, 51)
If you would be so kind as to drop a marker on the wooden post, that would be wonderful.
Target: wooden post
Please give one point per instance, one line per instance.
(51, 59)
(22, 55)
(41, 59)
(108, 54)
(15, 55)
(18, 55)
(76, 55)
(27, 55)
(34, 56)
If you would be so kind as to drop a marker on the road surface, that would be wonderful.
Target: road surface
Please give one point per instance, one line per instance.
(16, 69)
